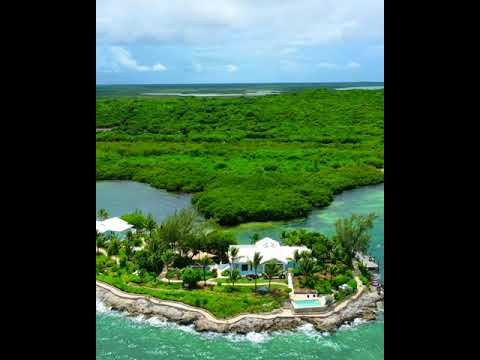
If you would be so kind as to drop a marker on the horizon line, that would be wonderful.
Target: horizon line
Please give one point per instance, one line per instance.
(241, 83)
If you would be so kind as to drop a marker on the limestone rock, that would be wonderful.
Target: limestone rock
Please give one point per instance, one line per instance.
(365, 307)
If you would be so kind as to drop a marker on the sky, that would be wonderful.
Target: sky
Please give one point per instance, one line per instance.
(238, 41)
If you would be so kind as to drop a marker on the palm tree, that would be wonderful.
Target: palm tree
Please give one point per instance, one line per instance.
(127, 246)
(204, 262)
(113, 246)
(150, 223)
(254, 238)
(100, 239)
(271, 270)
(234, 276)
(167, 259)
(257, 259)
(233, 254)
(297, 255)
(307, 265)
(102, 214)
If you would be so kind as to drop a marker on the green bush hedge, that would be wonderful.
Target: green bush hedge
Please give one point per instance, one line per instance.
(341, 279)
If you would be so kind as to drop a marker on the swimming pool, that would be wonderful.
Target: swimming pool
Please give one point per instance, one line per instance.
(303, 304)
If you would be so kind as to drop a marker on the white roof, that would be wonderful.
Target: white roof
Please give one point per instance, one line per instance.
(269, 249)
(113, 224)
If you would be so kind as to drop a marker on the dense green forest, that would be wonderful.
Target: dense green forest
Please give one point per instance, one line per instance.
(248, 158)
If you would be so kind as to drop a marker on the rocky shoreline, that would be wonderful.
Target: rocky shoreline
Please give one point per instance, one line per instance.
(364, 306)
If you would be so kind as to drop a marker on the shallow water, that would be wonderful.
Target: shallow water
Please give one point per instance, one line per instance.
(363, 201)
(122, 197)
(361, 88)
(255, 93)
(121, 337)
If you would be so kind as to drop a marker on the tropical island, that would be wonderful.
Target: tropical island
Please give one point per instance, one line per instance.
(245, 159)
(249, 158)
(192, 272)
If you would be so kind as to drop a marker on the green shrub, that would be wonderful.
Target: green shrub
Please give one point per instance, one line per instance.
(308, 282)
(323, 287)
(364, 280)
(190, 277)
(137, 219)
(135, 279)
(149, 277)
(353, 284)
(297, 272)
(226, 273)
(341, 279)
(174, 274)
(123, 261)
(113, 247)
(340, 295)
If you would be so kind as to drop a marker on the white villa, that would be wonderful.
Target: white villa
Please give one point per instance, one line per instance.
(271, 250)
(115, 226)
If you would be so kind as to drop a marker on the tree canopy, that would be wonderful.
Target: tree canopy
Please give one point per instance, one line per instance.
(246, 159)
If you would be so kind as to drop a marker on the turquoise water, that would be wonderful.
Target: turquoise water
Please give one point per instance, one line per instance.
(359, 201)
(121, 337)
(301, 304)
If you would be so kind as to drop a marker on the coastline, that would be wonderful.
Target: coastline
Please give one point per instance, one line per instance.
(363, 305)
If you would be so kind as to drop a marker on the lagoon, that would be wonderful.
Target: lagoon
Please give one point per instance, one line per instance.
(122, 197)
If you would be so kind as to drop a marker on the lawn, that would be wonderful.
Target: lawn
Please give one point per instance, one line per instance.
(221, 301)
(250, 281)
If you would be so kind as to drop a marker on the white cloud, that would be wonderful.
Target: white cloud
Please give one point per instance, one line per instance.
(331, 66)
(123, 58)
(231, 68)
(204, 23)
(159, 67)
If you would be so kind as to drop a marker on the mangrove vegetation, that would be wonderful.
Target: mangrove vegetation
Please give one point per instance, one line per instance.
(248, 158)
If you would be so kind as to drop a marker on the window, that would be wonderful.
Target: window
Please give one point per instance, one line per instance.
(244, 267)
